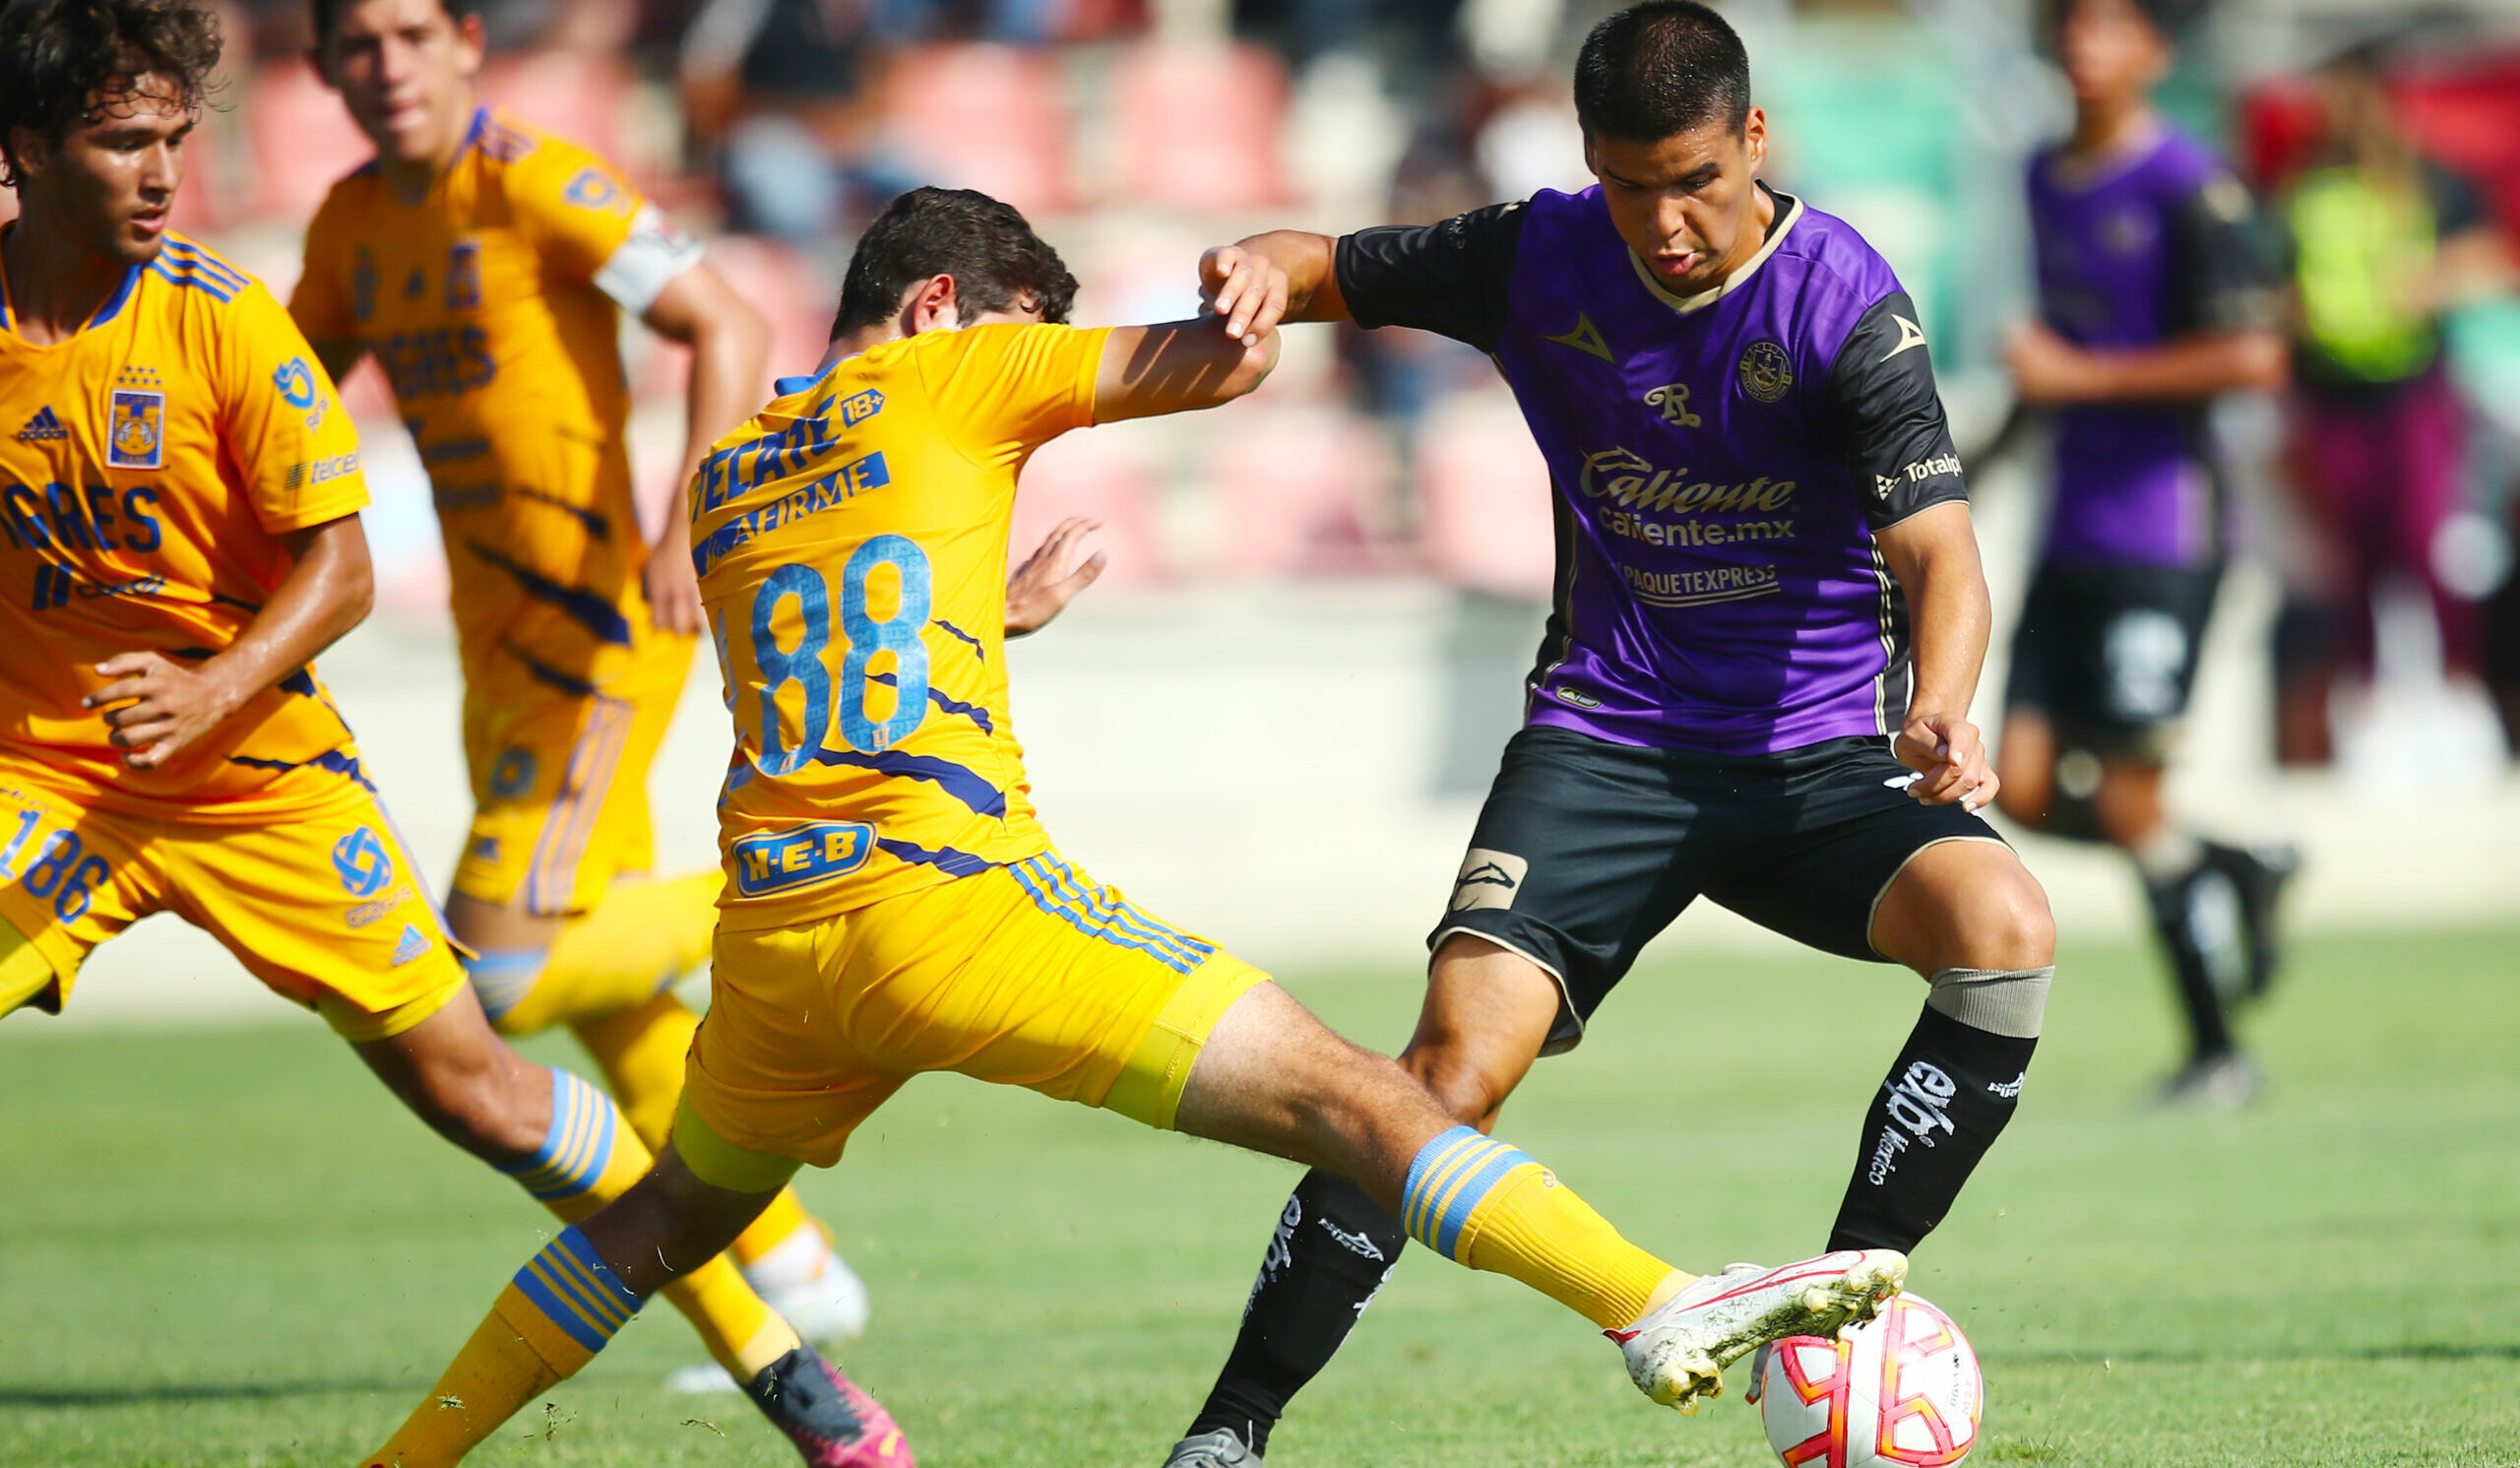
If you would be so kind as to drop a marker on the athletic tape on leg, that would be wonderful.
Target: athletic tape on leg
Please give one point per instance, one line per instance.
(1999, 1001)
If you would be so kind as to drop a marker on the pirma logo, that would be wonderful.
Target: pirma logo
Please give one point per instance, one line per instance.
(359, 860)
(1487, 879)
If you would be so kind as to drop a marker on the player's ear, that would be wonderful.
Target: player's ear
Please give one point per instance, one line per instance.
(930, 305)
(1754, 138)
(472, 44)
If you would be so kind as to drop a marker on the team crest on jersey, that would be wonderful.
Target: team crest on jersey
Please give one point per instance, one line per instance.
(463, 274)
(1674, 399)
(1766, 373)
(137, 438)
(363, 283)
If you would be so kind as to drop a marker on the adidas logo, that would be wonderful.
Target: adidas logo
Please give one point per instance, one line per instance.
(415, 943)
(42, 426)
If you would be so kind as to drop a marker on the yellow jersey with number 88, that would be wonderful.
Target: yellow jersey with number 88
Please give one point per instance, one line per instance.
(850, 540)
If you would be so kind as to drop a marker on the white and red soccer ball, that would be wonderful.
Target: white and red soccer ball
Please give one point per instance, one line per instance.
(1902, 1392)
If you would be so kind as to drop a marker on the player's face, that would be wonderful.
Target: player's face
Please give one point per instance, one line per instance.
(1687, 205)
(405, 68)
(112, 179)
(2109, 52)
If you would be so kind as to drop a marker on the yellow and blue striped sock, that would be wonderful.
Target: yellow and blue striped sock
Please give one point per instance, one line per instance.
(550, 1320)
(1485, 1204)
(589, 1156)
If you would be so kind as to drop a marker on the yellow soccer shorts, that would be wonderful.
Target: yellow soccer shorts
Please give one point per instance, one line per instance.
(560, 778)
(321, 902)
(1027, 974)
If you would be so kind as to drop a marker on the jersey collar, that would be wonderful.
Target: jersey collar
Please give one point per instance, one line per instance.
(108, 311)
(1789, 212)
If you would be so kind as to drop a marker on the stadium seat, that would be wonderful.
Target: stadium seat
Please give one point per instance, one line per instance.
(299, 139)
(1107, 476)
(1298, 491)
(1198, 126)
(987, 117)
(1483, 498)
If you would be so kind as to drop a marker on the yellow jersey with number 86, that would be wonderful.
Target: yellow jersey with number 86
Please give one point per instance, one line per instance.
(850, 540)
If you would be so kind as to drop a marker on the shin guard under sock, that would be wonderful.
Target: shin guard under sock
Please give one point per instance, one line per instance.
(1945, 1100)
(1332, 1252)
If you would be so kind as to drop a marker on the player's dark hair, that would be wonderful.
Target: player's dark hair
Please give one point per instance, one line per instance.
(1663, 66)
(2170, 19)
(64, 62)
(984, 244)
(325, 10)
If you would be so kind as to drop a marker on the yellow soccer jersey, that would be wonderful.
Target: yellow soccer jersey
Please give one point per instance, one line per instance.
(851, 547)
(493, 306)
(148, 466)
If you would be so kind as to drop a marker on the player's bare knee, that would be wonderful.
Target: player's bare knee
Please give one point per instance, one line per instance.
(2005, 922)
(1456, 1080)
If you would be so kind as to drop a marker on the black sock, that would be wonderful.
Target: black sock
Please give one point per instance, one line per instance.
(1332, 1252)
(2197, 917)
(1947, 1099)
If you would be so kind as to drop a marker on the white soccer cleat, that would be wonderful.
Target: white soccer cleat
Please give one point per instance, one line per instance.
(1677, 1354)
(806, 1280)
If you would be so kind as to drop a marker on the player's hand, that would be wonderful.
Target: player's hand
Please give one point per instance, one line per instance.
(1247, 289)
(166, 705)
(1949, 758)
(2046, 367)
(673, 592)
(1045, 583)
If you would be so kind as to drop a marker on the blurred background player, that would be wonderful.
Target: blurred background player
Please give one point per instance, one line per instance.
(894, 906)
(484, 266)
(2379, 242)
(1769, 623)
(2154, 297)
(165, 747)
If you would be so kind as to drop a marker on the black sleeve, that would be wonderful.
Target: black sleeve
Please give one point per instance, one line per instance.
(2457, 204)
(2224, 262)
(1449, 277)
(1887, 419)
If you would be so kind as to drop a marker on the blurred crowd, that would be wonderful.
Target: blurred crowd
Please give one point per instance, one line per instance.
(1137, 132)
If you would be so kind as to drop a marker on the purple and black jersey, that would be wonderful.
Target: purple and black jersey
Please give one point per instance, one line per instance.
(1720, 463)
(2134, 251)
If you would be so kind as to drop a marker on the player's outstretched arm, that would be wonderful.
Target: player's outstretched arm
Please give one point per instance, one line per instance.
(1285, 275)
(161, 706)
(730, 352)
(1041, 587)
(1934, 554)
(2049, 371)
(1178, 368)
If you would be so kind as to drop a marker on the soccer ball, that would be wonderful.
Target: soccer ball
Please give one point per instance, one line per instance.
(1901, 1391)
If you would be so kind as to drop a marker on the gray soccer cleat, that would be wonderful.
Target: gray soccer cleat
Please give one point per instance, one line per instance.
(1677, 1354)
(2227, 1082)
(1217, 1449)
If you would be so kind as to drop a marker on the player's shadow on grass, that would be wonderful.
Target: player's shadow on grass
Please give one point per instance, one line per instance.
(194, 1391)
(2416, 1350)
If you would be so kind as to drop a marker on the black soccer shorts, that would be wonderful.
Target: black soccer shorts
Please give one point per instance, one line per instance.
(2109, 653)
(1587, 848)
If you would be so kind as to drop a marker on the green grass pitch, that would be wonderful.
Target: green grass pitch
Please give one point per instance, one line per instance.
(229, 1246)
